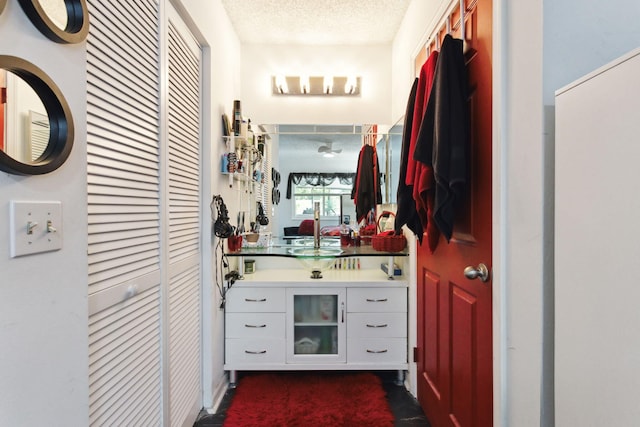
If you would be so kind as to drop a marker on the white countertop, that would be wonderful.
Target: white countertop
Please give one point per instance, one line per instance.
(363, 277)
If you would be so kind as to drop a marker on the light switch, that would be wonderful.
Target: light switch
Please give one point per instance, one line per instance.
(35, 226)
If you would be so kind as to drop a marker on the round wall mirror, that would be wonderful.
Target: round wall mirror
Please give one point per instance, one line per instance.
(36, 124)
(63, 21)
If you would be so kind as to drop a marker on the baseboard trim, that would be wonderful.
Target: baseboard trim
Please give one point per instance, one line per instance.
(218, 394)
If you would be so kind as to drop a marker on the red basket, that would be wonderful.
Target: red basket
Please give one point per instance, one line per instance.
(388, 242)
(367, 232)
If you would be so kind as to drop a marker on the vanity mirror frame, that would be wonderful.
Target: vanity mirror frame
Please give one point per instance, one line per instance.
(77, 27)
(61, 129)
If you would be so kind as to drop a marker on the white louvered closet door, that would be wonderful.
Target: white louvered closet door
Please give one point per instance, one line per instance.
(144, 241)
(124, 205)
(183, 208)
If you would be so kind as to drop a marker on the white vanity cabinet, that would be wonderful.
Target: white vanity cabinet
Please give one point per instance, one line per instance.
(316, 325)
(377, 326)
(351, 323)
(255, 326)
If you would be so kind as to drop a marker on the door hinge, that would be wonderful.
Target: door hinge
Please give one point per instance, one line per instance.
(416, 354)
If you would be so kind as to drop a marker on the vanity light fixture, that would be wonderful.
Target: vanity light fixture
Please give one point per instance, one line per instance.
(315, 85)
(351, 85)
(305, 87)
(281, 84)
(327, 85)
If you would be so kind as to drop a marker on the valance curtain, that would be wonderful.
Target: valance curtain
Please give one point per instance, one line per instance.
(318, 178)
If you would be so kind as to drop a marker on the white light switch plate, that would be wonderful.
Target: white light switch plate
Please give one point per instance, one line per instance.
(35, 227)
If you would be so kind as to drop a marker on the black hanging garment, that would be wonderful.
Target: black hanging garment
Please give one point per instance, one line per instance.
(443, 141)
(406, 211)
(366, 188)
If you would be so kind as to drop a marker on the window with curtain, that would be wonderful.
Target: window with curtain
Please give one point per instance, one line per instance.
(326, 188)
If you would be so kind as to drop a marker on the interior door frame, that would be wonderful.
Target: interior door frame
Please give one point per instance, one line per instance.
(518, 172)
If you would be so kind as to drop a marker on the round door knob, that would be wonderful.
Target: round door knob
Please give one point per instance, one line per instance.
(481, 272)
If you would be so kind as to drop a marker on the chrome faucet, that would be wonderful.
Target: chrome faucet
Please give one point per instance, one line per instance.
(316, 225)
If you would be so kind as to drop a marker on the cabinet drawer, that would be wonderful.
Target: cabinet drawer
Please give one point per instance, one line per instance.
(264, 300)
(254, 325)
(376, 300)
(254, 351)
(377, 325)
(377, 350)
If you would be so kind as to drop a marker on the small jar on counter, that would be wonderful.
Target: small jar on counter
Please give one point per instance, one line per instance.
(249, 266)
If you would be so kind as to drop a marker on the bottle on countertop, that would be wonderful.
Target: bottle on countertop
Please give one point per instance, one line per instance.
(345, 233)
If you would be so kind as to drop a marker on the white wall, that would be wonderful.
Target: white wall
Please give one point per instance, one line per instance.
(416, 27)
(43, 297)
(580, 36)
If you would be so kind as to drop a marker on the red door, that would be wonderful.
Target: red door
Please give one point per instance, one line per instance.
(454, 312)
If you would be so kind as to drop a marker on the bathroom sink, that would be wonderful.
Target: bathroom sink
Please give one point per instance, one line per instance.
(322, 252)
(316, 259)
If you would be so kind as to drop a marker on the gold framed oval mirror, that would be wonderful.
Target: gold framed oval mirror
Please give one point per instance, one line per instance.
(63, 21)
(38, 134)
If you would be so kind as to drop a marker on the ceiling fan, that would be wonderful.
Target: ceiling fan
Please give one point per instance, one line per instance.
(327, 150)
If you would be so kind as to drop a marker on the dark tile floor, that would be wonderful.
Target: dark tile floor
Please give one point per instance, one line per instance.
(405, 407)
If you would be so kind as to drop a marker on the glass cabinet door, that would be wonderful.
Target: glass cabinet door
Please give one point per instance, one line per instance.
(316, 325)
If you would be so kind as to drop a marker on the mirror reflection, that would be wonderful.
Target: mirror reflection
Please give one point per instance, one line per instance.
(24, 120)
(389, 147)
(393, 159)
(56, 10)
(33, 101)
(329, 149)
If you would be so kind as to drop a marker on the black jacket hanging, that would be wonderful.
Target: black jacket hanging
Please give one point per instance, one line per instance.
(366, 189)
(406, 211)
(443, 142)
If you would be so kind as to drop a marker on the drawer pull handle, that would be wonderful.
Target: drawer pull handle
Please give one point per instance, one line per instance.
(377, 351)
(384, 325)
(255, 326)
(255, 352)
(255, 300)
(377, 300)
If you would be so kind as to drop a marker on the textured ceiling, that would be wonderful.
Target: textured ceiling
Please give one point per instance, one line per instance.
(304, 140)
(316, 22)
